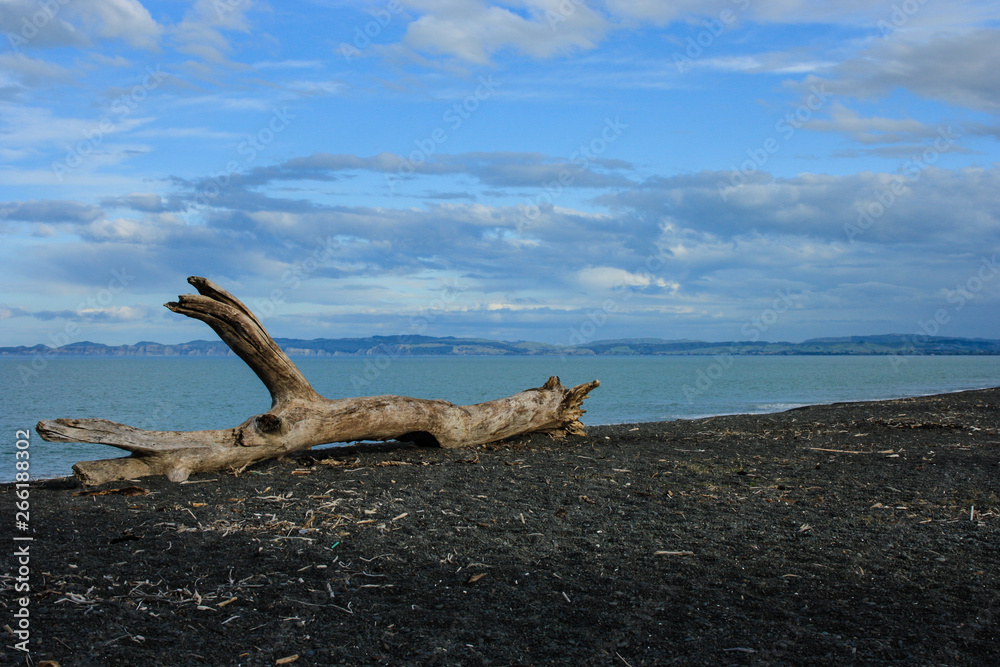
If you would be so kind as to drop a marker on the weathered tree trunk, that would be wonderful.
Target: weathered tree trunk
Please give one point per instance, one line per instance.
(299, 417)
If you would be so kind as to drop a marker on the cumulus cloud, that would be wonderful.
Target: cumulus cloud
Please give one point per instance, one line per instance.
(85, 312)
(33, 25)
(38, 129)
(127, 20)
(29, 25)
(31, 72)
(49, 211)
(201, 33)
(927, 67)
(138, 201)
(474, 30)
(113, 314)
(872, 129)
(609, 277)
(919, 205)
(495, 168)
(127, 230)
(671, 245)
(778, 11)
(711, 246)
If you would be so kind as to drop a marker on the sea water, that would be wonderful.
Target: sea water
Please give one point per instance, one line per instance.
(210, 393)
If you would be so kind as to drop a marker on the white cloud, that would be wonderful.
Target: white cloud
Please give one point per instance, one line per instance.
(316, 88)
(201, 32)
(30, 25)
(706, 243)
(474, 30)
(675, 247)
(32, 72)
(961, 68)
(139, 201)
(49, 211)
(38, 128)
(872, 129)
(609, 277)
(847, 12)
(148, 232)
(127, 20)
(288, 64)
(114, 313)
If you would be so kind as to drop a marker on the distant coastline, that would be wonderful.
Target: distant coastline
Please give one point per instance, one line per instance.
(889, 344)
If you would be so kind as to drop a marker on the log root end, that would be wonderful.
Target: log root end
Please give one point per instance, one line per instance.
(571, 408)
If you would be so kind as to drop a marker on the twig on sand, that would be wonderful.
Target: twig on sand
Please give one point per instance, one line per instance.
(622, 659)
(838, 451)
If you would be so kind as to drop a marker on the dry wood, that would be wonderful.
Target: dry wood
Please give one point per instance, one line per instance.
(838, 451)
(299, 417)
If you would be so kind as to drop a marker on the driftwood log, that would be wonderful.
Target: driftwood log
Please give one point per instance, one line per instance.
(299, 417)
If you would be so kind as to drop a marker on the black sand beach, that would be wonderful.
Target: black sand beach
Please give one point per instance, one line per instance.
(855, 533)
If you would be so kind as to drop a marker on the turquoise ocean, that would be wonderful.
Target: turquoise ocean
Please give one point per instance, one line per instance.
(208, 393)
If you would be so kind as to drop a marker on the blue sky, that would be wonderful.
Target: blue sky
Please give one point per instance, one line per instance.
(552, 170)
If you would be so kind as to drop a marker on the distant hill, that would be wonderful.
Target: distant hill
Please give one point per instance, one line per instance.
(452, 346)
(860, 345)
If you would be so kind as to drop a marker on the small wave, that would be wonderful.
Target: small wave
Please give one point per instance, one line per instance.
(777, 407)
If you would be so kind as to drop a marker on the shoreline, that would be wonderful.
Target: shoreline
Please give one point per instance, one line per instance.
(850, 532)
(547, 355)
(114, 452)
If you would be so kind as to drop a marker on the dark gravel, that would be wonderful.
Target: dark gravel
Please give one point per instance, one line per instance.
(735, 540)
